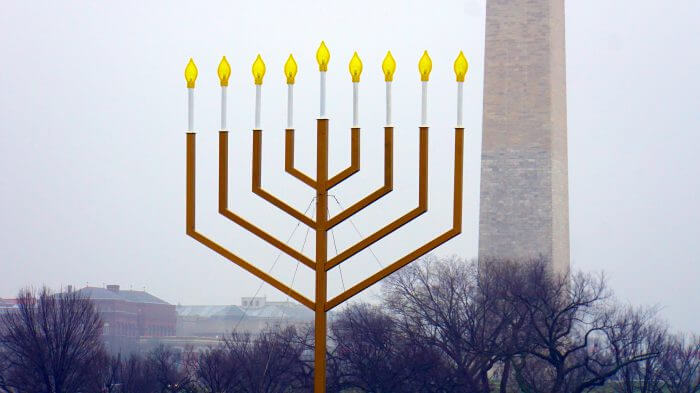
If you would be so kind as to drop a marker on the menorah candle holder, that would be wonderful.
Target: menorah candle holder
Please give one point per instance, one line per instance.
(322, 183)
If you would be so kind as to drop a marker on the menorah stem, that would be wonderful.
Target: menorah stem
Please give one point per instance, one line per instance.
(190, 184)
(423, 170)
(321, 255)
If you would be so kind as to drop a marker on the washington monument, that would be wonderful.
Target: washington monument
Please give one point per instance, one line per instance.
(524, 209)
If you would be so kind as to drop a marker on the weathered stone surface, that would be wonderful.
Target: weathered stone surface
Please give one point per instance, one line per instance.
(524, 209)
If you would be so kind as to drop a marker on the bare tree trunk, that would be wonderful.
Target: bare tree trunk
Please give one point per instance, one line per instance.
(504, 377)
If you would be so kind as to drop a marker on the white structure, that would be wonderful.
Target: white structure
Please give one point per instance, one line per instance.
(524, 210)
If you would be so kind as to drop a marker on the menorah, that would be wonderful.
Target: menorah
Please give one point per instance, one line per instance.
(322, 183)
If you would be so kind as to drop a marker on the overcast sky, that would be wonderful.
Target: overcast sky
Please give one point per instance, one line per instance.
(93, 119)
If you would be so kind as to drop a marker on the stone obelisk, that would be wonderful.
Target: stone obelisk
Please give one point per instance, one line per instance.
(524, 211)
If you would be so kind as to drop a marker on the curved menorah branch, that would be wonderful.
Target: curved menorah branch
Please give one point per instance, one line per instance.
(408, 258)
(224, 210)
(257, 188)
(354, 166)
(401, 221)
(289, 159)
(191, 231)
(378, 193)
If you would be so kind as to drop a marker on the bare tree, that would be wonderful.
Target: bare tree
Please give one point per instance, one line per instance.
(552, 332)
(365, 344)
(577, 338)
(644, 376)
(218, 371)
(105, 374)
(172, 370)
(50, 342)
(446, 306)
(4, 369)
(376, 355)
(499, 280)
(269, 363)
(680, 364)
(136, 376)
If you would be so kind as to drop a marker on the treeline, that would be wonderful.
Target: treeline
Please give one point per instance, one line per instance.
(441, 326)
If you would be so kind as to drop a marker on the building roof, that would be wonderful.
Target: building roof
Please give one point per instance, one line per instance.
(141, 297)
(271, 310)
(96, 293)
(209, 311)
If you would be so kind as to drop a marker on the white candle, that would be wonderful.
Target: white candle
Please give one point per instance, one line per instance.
(290, 71)
(258, 74)
(460, 99)
(388, 67)
(290, 105)
(322, 57)
(355, 68)
(323, 95)
(190, 77)
(460, 66)
(388, 103)
(258, 89)
(223, 108)
(424, 104)
(190, 109)
(355, 109)
(425, 65)
(224, 72)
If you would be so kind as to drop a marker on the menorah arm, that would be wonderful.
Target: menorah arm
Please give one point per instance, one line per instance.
(364, 284)
(354, 160)
(378, 193)
(251, 269)
(289, 159)
(224, 210)
(401, 221)
(417, 253)
(192, 232)
(257, 188)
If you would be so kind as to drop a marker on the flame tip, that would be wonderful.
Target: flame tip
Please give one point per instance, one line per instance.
(323, 56)
(191, 73)
(388, 67)
(425, 65)
(461, 66)
(258, 70)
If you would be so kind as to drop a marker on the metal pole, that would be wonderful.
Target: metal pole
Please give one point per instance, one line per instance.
(321, 255)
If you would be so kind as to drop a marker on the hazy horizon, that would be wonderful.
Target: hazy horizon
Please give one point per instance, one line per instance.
(94, 113)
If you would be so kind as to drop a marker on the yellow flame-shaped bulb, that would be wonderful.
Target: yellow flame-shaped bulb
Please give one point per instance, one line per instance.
(461, 66)
(355, 67)
(190, 74)
(224, 71)
(290, 69)
(322, 57)
(258, 70)
(388, 67)
(425, 65)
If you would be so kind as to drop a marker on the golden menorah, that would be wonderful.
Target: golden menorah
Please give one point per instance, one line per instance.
(322, 183)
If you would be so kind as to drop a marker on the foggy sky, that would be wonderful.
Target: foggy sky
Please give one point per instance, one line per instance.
(93, 119)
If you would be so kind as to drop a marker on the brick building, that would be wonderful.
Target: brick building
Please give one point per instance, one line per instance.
(7, 304)
(130, 315)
